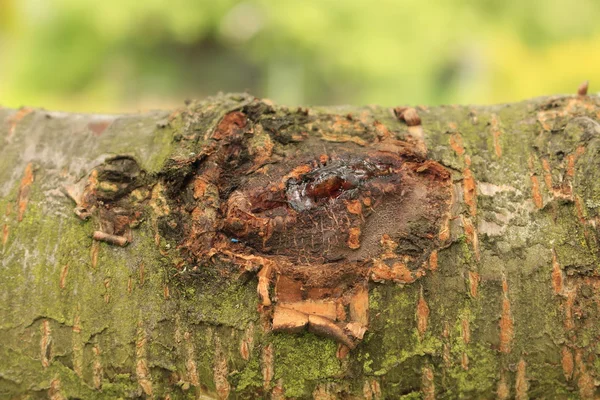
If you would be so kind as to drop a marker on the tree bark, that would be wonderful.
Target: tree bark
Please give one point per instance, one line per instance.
(237, 249)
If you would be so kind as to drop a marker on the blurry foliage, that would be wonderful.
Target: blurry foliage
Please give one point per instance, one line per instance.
(116, 55)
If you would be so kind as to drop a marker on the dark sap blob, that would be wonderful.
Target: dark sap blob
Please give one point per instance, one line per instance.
(330, 182)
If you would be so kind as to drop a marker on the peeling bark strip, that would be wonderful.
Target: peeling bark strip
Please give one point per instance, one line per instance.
(273, 252)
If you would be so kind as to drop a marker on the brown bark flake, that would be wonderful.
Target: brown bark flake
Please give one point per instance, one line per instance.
(111, 239)
(278, 392)
(521, 384)
(289, 320)
(54, 392)
(446, 357)
(244, 350)
(557, 275)
(470, 188)
(354, 238)
(14, 119)
(474, 279)
(141, 364)
(98, 127)
(288, 289)
(367, 393)
(408, 115)
(547, 174)
(427, 383)
(503, 389)
(6, 228)
(433, 261)
(77, 346)
(322, 392)
(464, 361)
(535, 192)
(359, 306)
(471, 235)
(567, 363)
(422, 315)
(267, 366)
(375, 389)
(46, 344)
(585, 381)
(572, 160)
(465, 330)
(94, 254)
(325, 327)
(24, 190)
(231, 124)
(583, 88)
(456, 143)
(63, 276)
(354, 207)
(97, 369)
(356, 330)
(247, 342)
(264, 280)
(107, 288)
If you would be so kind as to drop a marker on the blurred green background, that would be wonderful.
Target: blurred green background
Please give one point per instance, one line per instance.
(124, 55)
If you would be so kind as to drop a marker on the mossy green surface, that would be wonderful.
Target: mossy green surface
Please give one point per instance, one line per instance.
(302, 361)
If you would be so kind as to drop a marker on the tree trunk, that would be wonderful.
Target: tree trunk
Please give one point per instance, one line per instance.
(237, 249)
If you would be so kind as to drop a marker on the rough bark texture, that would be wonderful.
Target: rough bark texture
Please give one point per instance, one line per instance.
(237, 249)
